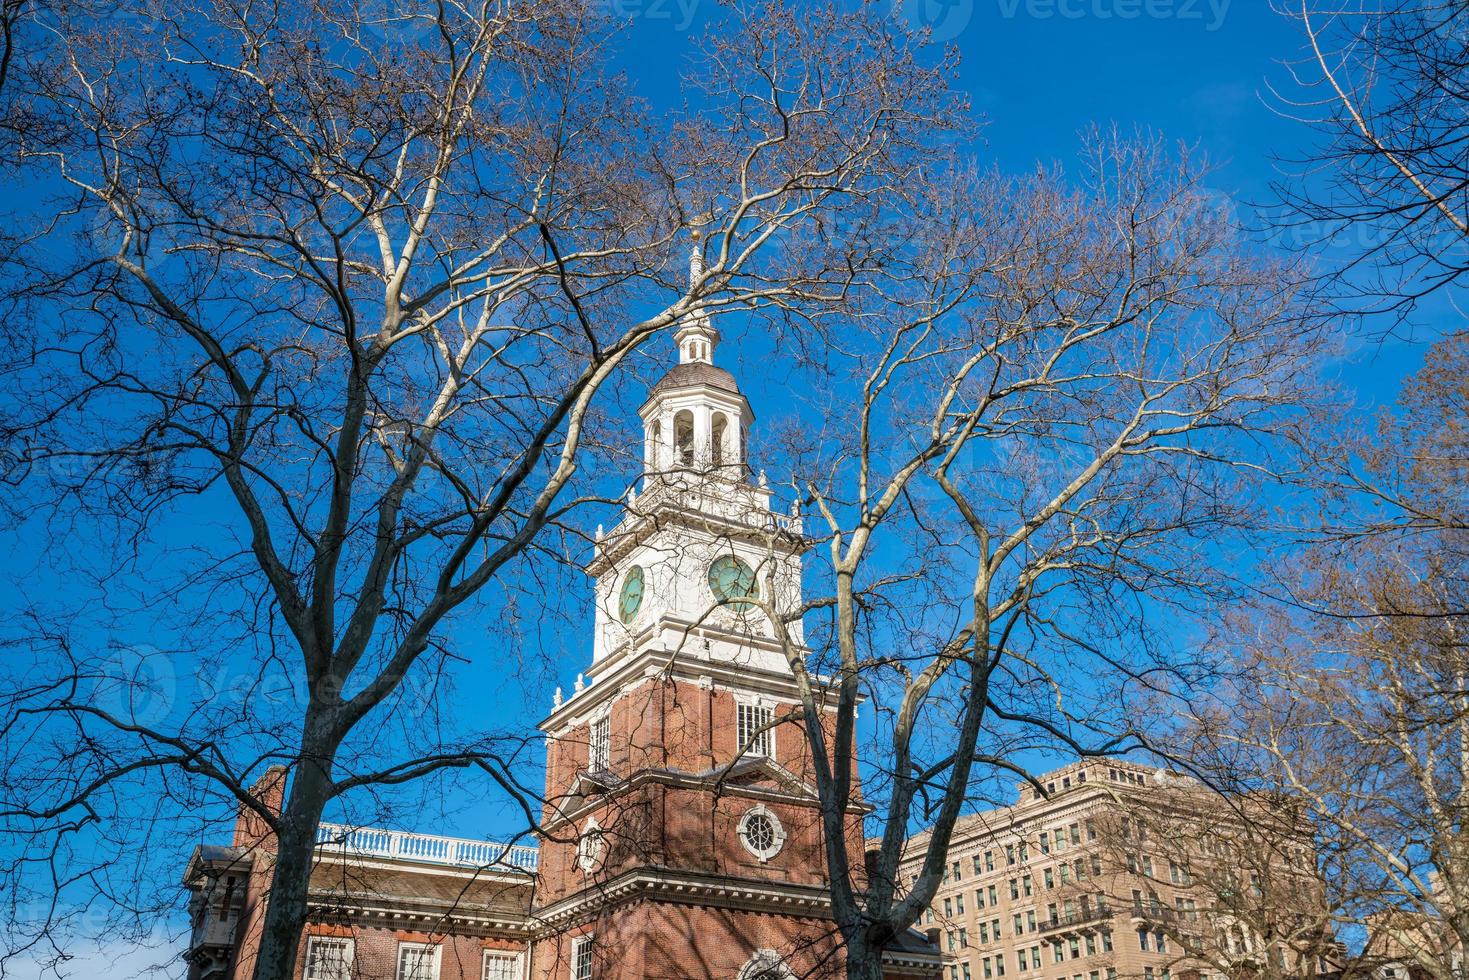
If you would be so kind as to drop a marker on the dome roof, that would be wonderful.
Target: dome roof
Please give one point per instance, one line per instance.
(695, 373)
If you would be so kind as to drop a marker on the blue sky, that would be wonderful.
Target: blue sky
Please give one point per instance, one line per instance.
(1040, 71)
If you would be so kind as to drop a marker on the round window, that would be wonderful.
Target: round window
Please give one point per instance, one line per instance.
(761, 833)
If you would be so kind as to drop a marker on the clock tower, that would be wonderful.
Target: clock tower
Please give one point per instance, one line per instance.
(681, 836)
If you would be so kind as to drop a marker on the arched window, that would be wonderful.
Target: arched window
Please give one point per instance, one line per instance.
(655, 443)
(683, 437)
(717, 428)
(766, 964)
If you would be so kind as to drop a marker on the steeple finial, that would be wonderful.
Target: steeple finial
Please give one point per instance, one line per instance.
(696, 260)
(696, 338)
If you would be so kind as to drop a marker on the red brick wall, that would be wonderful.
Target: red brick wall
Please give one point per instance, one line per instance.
(664, 941)
(375, 951)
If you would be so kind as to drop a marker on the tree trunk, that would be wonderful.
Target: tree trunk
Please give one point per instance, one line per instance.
(863, 961)
(285, 912)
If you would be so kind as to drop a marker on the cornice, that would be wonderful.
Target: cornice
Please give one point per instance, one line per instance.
(658, 884)
(665, 510)
(455, 919)
(625, 670)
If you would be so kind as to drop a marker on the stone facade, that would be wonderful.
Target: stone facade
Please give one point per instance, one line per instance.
(1119, 871)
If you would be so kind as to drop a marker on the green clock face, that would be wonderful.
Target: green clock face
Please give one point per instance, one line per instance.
(731, 578)
(630, 599)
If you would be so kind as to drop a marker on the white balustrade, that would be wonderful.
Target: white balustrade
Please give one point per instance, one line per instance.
(427, 848)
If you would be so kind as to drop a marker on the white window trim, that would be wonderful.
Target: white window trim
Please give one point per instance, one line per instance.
(764, 964)
(602, 715)
(518, 958)
(756, 703)
(579, 943)
(437, 950)
(776, 846)
(590, 846)
(349, 945)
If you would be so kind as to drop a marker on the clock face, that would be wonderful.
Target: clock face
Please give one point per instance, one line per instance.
(731, 578)
(630, 599)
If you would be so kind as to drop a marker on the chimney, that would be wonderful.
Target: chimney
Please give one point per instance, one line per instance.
(251, 830)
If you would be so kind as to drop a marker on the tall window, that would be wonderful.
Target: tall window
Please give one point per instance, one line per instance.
(417, 961)
(501, 966)
(581, 958)
(601, 740)
(328, 959)
(753, 729)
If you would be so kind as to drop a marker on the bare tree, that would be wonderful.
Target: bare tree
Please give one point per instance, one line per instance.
(328, 298)
(1053, 431)
(1385, 86)
(1352, 685)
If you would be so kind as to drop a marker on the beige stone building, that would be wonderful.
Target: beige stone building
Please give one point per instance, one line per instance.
(1120, 872)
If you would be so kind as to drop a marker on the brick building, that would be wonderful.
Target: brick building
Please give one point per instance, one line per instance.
(1118, 871)
(680, 837)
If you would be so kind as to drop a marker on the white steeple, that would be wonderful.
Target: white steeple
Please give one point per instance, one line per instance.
(695, 417)
(696, 337)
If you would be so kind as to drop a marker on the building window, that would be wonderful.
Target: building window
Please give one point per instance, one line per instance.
(1030, 920)
(963, 938)
(1009, 854)
(1018, 923)
(1014, 889)
(948, 908)
(328, 958)
(989, 860)
(979, 898)
(957, 874)
(600, 743)
(1057, 952)
(994, 896)
(1028, 886)
(965, 967)
(501, 966)
(1045, 842)
(977, 867)
(959, 904)
(418, 961)
(1107, 941)
(581, 958)
(590, 846)
(1142, 939)
(752, 722)
(763, 836)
